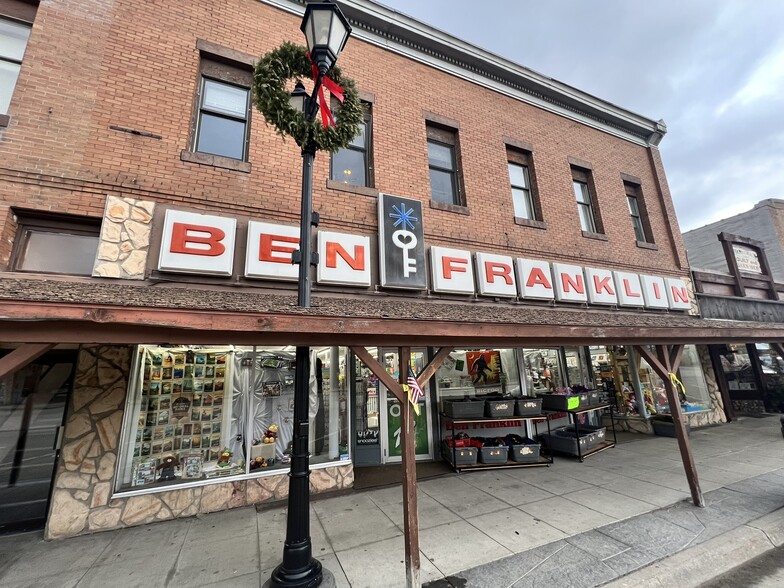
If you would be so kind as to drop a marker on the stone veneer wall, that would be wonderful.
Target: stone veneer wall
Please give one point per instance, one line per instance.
(82, 496)
(125, 239)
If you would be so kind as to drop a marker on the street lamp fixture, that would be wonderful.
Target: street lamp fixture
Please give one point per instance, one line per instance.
(326, 31)
(299, 97)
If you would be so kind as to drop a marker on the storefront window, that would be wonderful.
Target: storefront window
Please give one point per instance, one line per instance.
(204, 413)
(367, 409)
(772, 366)
(614, 369)
(694, 395)
(478, 373)
(577, 372)
(542, 370)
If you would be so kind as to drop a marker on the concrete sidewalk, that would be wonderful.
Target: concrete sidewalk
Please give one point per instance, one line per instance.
(569, 525)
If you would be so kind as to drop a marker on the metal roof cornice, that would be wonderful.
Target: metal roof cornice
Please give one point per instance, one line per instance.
(394, 31)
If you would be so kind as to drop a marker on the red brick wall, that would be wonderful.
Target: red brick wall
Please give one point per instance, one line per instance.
(92, 64)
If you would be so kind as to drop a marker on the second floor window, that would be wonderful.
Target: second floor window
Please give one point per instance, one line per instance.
(13, 41)
(520, 178)
(442, 160)
(637, 212)
(55, 244)
(222, 127)
(353, 165)
(585, 202)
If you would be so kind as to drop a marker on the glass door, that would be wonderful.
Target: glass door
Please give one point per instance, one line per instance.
(32, 409)
(392, 412)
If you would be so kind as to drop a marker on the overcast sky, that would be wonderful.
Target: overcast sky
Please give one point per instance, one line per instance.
(712, 69)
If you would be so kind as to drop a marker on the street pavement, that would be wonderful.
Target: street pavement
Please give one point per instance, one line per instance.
(623, 513)
(764, 571)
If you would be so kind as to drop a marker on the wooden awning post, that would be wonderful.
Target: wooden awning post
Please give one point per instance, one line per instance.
(666, 362)
(22, 356)
(408, 440)
(410, 511)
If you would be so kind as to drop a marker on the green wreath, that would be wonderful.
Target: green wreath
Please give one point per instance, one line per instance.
(272, 100)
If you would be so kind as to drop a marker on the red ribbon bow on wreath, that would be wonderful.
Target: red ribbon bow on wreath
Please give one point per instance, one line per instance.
(326, 114)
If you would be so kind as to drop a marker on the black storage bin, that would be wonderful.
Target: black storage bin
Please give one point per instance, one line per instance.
(464, 409)
(585, 399)
(594, 435)
(494, 454)
(499, 408)
(560, 401)
(566, 444)
(595, 397)
(528, 406)
(525, 453)
(460, 456)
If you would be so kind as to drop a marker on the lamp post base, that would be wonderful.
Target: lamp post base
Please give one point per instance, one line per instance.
(327, 580)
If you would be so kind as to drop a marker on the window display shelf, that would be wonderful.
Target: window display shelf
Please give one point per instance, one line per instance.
(452, 460)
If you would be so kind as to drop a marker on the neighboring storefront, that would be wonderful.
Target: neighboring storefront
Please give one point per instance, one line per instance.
(751, 375)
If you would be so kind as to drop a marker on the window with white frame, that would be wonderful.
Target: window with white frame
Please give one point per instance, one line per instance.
(13, 42)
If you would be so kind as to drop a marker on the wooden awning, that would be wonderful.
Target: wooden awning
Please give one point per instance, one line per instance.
(54, 311)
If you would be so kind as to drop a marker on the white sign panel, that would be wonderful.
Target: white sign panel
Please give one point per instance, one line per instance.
(654, 292)
(197, 243)
(677, 294)
(495, 275)
(569, 283)
(601, 288)
(534, 279)
(452, 270)
(629, 289)
(343, 259)
(269, 250)
(747, 259)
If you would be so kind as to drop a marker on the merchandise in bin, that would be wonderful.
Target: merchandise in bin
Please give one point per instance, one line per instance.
(527, 406)
(499, 408)
(494, 454)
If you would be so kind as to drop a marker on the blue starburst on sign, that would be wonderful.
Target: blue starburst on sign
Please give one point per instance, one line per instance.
(404, 216)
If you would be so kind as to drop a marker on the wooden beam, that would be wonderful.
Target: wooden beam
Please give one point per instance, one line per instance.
(32, 322)
(380, 372)
(22, 356)
(678, 420)
(410, 511)
(676, 354)
(432, 367)
(652, 360)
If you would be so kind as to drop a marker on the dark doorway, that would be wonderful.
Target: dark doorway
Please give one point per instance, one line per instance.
(32, 412)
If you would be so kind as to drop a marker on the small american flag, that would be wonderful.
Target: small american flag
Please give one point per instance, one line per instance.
(415, 392)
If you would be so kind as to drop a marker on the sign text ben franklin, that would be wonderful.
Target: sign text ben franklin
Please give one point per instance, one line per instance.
(205, 244)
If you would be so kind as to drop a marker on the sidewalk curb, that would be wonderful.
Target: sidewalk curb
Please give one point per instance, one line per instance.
(701, 563)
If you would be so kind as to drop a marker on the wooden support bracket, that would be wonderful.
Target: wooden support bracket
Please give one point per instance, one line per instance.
(22, 356)
(666, 361)
(408, 440)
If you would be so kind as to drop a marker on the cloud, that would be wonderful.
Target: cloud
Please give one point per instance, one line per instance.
(713, 69)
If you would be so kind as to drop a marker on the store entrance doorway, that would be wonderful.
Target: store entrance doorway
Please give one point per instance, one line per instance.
(32, 413)
(392, 449)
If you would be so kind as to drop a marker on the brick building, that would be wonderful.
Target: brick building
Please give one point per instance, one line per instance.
(551, 247)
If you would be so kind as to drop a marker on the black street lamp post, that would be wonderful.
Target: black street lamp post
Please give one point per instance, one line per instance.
(326, 31)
